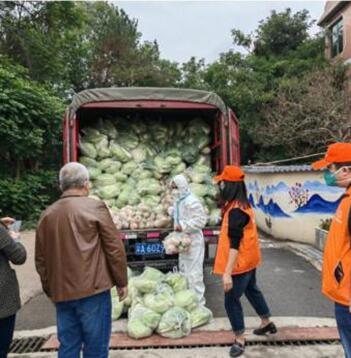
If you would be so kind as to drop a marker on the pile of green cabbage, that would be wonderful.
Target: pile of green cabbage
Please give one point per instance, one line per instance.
(161, 303)
(130, 162)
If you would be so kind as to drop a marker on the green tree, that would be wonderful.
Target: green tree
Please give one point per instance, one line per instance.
(280, 49)
(30, 122)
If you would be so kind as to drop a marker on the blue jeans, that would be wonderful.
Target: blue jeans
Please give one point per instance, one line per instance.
(244, 284)
(343, 320)
(84, 324)
(7, 326)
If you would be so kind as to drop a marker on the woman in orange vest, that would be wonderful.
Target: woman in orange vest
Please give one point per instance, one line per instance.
(336, 273)
(238, 255)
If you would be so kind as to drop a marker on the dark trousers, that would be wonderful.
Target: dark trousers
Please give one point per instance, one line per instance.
(343, 320)
(7, 327)
(244, 284)
(84, 325)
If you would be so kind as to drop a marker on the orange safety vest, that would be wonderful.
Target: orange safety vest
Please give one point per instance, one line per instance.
(337, 252)
(249, 255)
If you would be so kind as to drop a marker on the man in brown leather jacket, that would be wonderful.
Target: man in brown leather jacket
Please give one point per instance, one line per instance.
(80, 257)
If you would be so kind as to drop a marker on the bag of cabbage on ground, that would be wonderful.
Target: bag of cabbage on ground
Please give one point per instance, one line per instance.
(142, 321)
(176, 242)
(175, 323)
(117, 305)
(177, 281)
(186, 299)
(161, 300)
(148, 280)
(199, 316)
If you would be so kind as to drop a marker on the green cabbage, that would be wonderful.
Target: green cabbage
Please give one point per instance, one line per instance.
(102, 148)
(105, 163)
(137, 330)
(200, 316)
(120, 153)
(186, 299)
(105, 179)
(139, 155)
(198, 190)
(159, 302)
(120, 177)
(149, 186)
(109, 129)
(129, 168)
(128, 140)
(145, 315)
(88, 149)
(94, 173)
(88, 162)
(109, 191)
(133, 199)
(92, 135)
(114, 168)
(175, 323)
(177, 281)
(117, 308)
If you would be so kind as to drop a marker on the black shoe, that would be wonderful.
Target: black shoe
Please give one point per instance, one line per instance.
(237, 349)
(270, 328)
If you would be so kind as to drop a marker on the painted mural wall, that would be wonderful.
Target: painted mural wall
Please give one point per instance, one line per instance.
(290, 202)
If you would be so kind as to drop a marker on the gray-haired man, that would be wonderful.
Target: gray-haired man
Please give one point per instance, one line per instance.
(79, 258)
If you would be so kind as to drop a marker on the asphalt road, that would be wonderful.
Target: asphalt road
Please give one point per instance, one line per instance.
(290, 284)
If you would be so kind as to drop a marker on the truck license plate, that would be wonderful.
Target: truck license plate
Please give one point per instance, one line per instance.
(148, 248)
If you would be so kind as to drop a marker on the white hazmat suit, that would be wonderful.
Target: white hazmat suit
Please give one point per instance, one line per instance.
(189, 214)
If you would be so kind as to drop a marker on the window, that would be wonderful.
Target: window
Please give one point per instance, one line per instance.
(336, 38)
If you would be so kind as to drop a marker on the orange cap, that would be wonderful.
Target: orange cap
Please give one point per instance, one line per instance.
(230, 173)
(336, 153)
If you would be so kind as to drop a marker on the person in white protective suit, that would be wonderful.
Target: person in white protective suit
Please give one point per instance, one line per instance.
(190, 217)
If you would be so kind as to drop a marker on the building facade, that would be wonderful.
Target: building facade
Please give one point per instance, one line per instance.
(336, 21)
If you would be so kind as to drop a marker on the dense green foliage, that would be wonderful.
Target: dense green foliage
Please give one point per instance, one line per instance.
(280, 50)
(26, 198)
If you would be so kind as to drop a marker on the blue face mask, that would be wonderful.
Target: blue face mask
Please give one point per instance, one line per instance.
(330, 178)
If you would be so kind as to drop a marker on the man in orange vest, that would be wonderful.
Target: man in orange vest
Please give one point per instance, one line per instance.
(336, 273)
(238, 255)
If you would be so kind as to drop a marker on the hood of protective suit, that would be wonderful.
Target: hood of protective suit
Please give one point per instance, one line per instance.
(182, 185)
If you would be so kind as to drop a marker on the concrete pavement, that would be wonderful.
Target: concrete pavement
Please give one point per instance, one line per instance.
(27, 276)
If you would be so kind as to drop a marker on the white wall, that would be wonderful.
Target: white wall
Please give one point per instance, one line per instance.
(290, 201)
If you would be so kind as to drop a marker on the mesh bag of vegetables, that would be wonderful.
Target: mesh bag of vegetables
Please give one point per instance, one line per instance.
(148, 280)
(186, 299)
(175, 323)
(177, 281)
(161, 300)
(199, 316)
(176, 242)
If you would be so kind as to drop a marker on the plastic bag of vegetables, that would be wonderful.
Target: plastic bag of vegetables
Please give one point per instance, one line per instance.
(161, 300)
(175, 323)
(186, 299)
(199, 316)
(117, 306)
(145, 315)
(177, 281)
(148, 280)
(176, 242)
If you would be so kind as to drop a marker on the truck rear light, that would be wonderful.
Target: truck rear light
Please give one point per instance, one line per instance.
(153, 235)
(128, 236)
(210, 232)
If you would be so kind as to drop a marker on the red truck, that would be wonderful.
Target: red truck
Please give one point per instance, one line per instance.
(173, 104)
